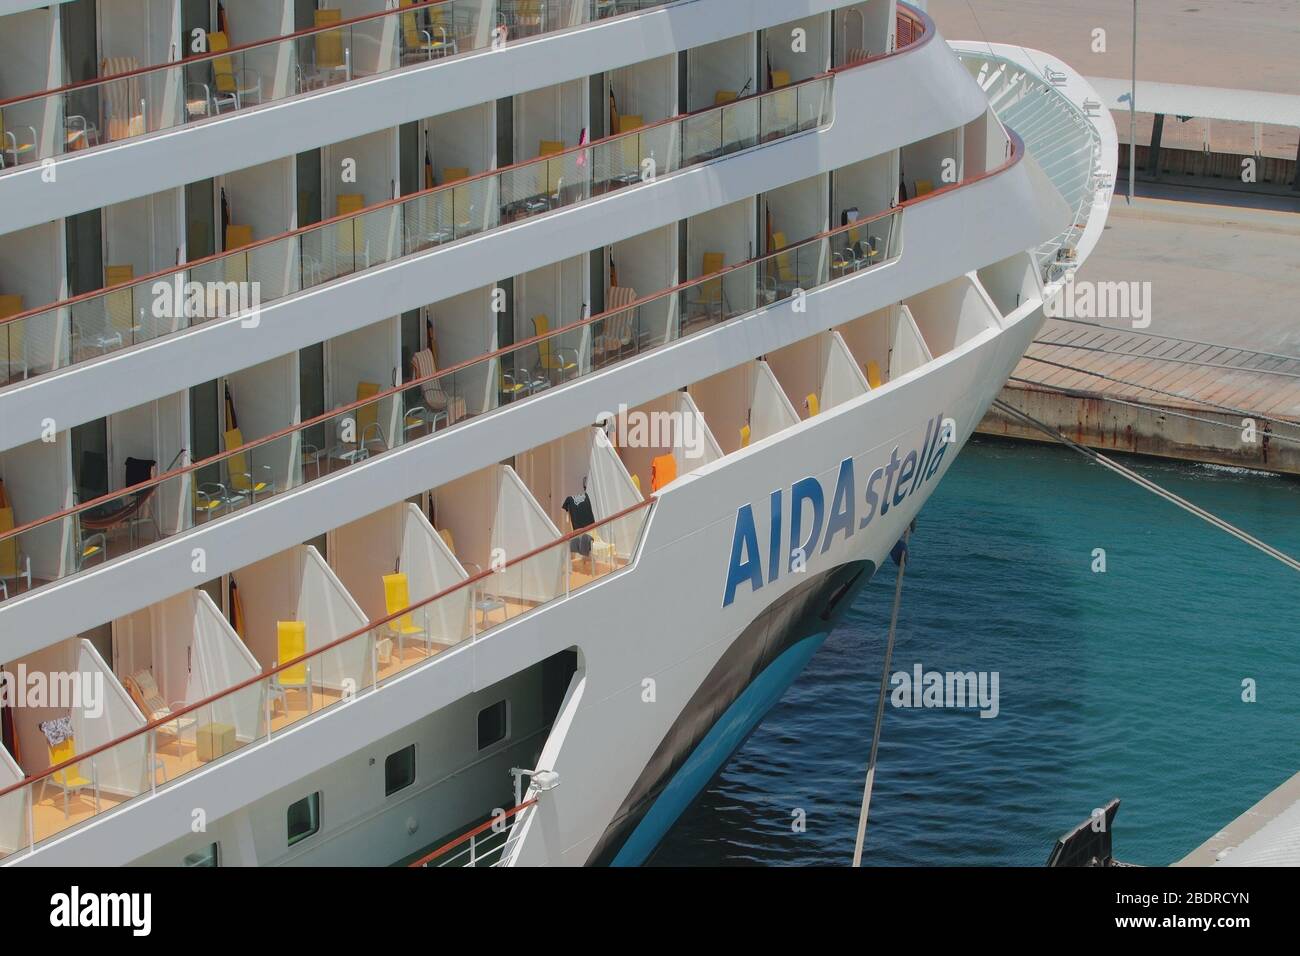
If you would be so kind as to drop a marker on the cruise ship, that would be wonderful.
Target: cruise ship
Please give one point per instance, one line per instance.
(435, 432)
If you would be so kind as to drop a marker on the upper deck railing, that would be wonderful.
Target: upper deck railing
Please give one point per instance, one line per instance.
(45, 338)
(147, 99)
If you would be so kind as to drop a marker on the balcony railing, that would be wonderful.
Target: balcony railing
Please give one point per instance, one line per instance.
(209, 490)
(148, 99)
(51, 337)
(483, 845)
(364, 660)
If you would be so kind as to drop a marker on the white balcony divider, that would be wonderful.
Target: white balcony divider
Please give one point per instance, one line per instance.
(13, 807)
(123, 770)
(329, 612)
(704, 442)
(842, 380)
(909, 350)
(430, 569)
(520, 525)
(770, 409)
(221, 660)
(612, 491)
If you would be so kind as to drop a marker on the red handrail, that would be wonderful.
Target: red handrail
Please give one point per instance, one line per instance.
(415, 7)
(451, 845)
(927, 32)
(285, 665)
(172, 271)
(1017, 153)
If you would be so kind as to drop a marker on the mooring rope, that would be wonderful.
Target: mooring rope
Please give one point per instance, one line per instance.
(880, 705)
(1152, 487)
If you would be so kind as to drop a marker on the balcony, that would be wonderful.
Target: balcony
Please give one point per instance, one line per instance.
(286, 124)
(354, 633)
(131, 100)
(36, 341)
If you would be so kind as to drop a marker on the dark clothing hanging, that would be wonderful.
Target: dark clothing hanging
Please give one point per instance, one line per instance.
(578, 508)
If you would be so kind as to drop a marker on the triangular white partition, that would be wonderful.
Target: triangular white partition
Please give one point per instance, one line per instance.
(842, 380)
(695, 445)
(329, 612)
(612, 491)
(192, 653)
(220, 661)
(770, 409)
(13, 808)
(909, 349)
(430, 569)
(106, 713)
(519, 527)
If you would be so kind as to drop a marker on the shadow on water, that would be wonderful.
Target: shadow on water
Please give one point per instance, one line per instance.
(1126, 683)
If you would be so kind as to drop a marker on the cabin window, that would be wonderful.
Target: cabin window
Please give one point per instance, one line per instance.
(208, 856)
(492, 724)
(399, 770)
(304, 818)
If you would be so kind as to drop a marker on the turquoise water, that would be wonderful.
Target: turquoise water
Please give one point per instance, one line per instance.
(1127, 683)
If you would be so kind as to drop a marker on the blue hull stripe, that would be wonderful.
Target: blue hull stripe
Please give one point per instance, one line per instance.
(718, 744)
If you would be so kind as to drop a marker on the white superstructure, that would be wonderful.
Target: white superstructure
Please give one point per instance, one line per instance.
(415, 410)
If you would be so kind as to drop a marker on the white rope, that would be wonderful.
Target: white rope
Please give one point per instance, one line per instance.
(1155, 489)
(880, 707)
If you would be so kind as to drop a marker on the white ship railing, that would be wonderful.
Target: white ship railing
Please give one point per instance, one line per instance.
(1062, 139)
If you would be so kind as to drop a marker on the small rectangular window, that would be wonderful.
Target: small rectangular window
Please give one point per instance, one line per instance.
(399, 770)
(208, 856)
(304, 818)
(492, 724)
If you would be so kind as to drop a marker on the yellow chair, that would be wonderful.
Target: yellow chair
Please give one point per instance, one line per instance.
(873, 374)
(397, 595)
(447, 539)
(222, 73)
(290, 644)
(709, 295)
(812, 404)
(70, 779)
(554, 168)
(14, 565)
(329, 44)
(550, 357)
(13, 357)
(744, 436)
(723, 97)
(451, 174)
(11, 147)
(630, 147)
(508, 387)
(367, 415)
(349, 230)
(924, 186)
(241, 478)
(787, 277)
(120, 305)
(238, 236)
(780, 108)
(435, 41)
